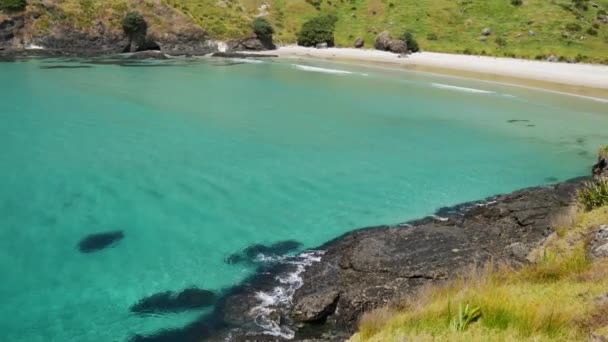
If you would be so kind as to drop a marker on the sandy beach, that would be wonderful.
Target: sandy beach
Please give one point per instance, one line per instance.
(580, 79)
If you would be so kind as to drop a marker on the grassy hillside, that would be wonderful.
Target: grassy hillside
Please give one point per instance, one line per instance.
(558, 26)
(560, 297)
(456, 24)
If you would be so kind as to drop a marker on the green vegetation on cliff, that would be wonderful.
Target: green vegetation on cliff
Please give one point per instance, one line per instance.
(569, 29)
(12, 5)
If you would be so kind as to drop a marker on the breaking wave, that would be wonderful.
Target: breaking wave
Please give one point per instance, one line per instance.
(462, 89)
(282, 295)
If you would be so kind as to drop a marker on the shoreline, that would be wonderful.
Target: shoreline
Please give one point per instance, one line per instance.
(583, 80)
(320, 293)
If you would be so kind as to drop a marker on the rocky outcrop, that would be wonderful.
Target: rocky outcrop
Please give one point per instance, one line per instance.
(359, 43)
(599, 245)
(600, 169)
(319, 295)
(10, 27)
(252, 43)
(385, 42)
(373, 267)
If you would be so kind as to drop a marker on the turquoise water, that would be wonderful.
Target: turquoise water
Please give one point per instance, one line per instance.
(196, 160)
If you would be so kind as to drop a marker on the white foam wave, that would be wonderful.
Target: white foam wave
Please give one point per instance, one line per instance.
(34, 47)
(282, 295)
(247, 60)
(325, 70)
(462, 89)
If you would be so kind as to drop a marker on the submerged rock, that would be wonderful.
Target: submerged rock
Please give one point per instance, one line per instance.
(99, 241)
(259, 252)
(168, 301)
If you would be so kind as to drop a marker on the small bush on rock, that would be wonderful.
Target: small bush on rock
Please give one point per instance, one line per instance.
(318, 30)
(262, 28)
(134, 24)
(13, 5)
(594, 194)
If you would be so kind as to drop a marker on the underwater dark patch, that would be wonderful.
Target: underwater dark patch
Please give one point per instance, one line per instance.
(552, 179)
(99, 241)
(169, 301)
(231, 310)
(147, 65)
(517, 120)
(65, 67)
(252, 253)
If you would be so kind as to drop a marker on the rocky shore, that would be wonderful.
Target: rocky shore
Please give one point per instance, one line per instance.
(320, 294)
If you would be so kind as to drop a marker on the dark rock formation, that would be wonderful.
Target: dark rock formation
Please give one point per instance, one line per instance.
(600, 169)
(251, 43)
(398, 46)
(254, 252)
(163, 302)
(359, 43)
(599, 244)
(385, 42)
(373, 267)
(10, 27)
(241, 55)
(99, 241)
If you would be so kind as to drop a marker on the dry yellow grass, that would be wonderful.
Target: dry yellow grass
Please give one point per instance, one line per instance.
(551, 300)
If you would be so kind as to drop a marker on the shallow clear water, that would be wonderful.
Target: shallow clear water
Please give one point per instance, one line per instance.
(198, 160)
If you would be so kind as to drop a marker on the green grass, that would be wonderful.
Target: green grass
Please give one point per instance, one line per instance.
(454, 26)
(457, 24)
(550, 300)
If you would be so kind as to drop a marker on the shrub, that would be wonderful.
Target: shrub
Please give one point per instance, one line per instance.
(410, 41)
(603, 152)
(318, 30)
(593, 195)
(501, 41)
(13, 5)
(262, 28)
(315, 3)
(517, 2)
(431, 36)
(573, 27)
(591, 31)
(134, 24)
(465, 317)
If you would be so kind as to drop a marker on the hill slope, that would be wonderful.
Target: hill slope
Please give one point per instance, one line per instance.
(534, 29)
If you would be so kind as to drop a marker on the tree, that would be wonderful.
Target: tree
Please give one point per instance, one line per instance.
(13, 5)
(134, 25)
(410, 41)
(262, 28)
(318, 30)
